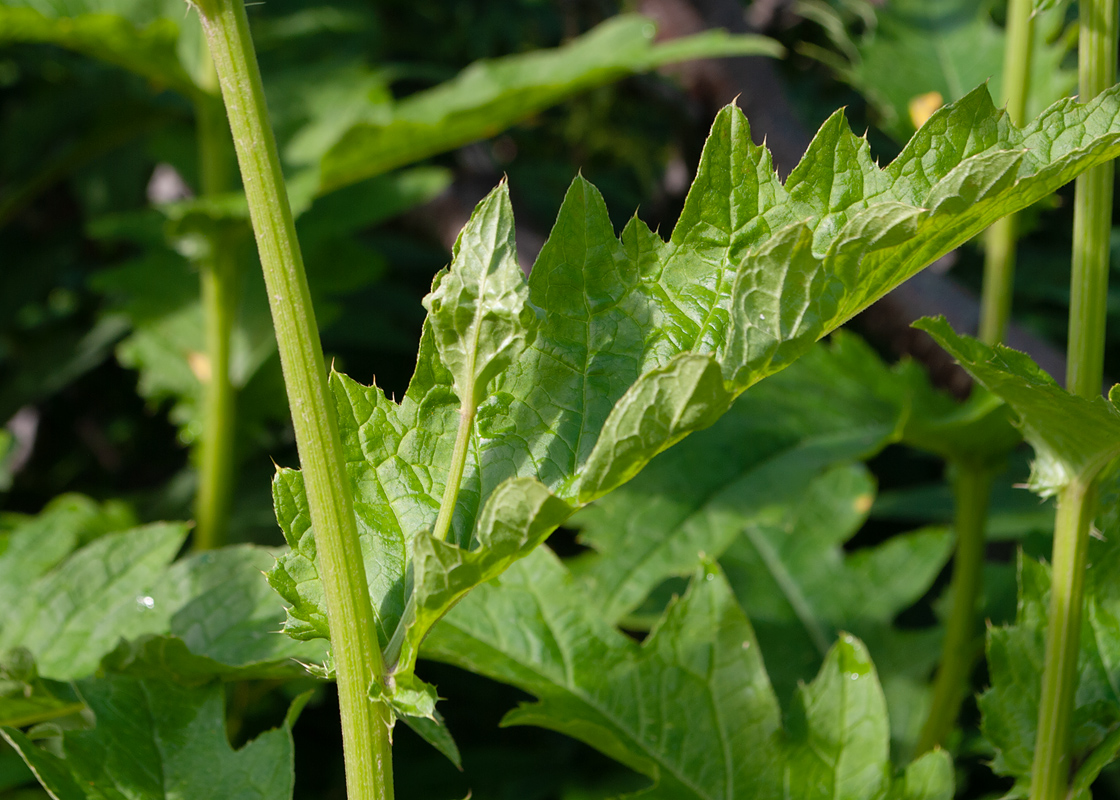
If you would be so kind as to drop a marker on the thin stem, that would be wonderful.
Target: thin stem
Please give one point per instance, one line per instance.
(1000, 239)
(971, 489)
(455, 476)
(219, 276)
(1092, 219)
(442, 529)
(1050, 772)
(999, 279)
(365, 724)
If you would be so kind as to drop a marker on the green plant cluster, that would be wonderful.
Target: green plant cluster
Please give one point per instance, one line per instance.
(744, 618)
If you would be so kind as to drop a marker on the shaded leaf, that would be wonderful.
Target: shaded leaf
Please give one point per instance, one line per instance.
(1073, 437)
(157, 739)
(70, 601)
(25, 698)
(936, 50)
(489, 96)
(691, 707)
(801, 588)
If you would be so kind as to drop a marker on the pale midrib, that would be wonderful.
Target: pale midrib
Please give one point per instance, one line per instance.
(789, 588)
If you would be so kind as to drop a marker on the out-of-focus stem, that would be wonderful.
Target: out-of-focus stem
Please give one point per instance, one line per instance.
(971, 489)
(1001, 238)
(219, 276)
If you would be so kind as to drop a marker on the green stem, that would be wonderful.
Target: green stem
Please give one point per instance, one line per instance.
(365, 724)
(971, 489)
(219, 276)
(999, 278)
(1092, 220)
(455, 475)
(1000, 239)
(1050, 771)
(442, 528)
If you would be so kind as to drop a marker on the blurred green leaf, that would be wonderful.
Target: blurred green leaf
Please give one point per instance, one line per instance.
(158, 740)
(70, 603)
(142, 36)
(907, 57)
(25, 698)
(489, 96)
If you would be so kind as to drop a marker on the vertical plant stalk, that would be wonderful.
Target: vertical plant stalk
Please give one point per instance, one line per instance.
(1051, 769)
(972, 480)
(1092, 221)
(972, 486)
(358, 663)
(219, 276)
(1000, 239)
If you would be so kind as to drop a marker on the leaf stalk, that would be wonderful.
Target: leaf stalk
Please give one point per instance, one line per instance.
(365, 724)
(442, 528)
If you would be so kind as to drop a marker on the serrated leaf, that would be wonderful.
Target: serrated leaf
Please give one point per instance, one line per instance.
(157, 739)
(70, 605)
(517, 518)
(478, 309)
(754, 273)
(408, 697)
(691, 707)
(1073, 437)
(490, 96)
(25, 698)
